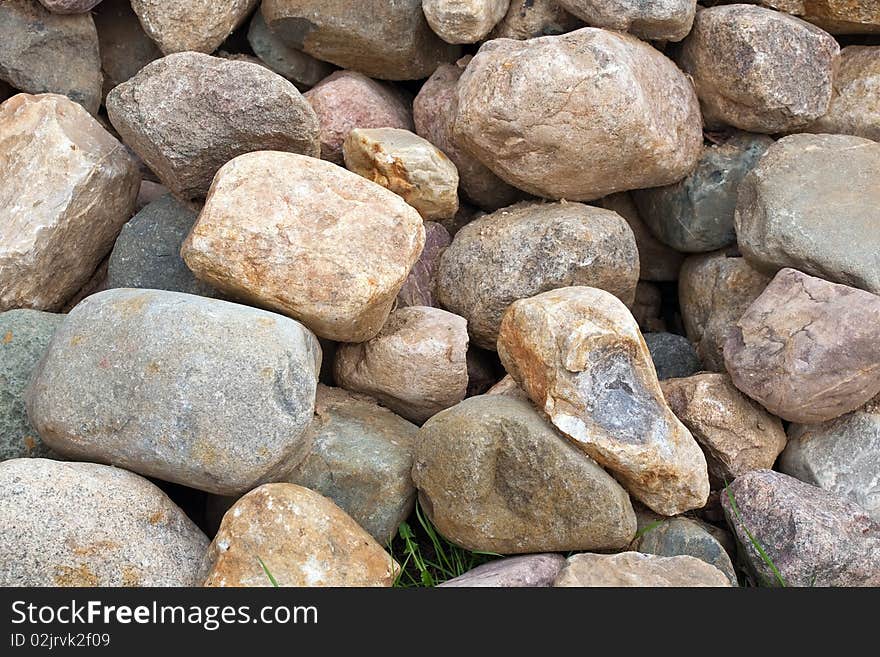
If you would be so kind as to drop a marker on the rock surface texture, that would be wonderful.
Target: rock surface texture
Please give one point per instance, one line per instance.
(530, 570)
(527, 19)
(657, 20)
(637, 569)
(191, 25)
(464, 21)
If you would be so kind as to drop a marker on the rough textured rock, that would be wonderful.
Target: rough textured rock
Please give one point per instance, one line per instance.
(530, 570)
(346, 100)
(416, 365)
(197, 25)
(836, 16)
(97, 283)
(579, 355)
(493, 475)
(69, 6)
(125, 47)
(386, 40)
(303, 70)
(202, 392)
(361, 459)
(434, 111)
(464, 21)
(546, 114)
(527, 19)
(334, 248)
(813, 203)
(66, 188)
(673, 355)
(806, 349)
(302, 538)
(186, 115)
(841, 456)
(657, 20)
(418, 288)
(813, 537)
(736, 434)
(714, 291)
(408, 165)
(640, 570)
(530, 248)
(759, 70)
(696, 214)
(45, 52)
(24, 336)
(83, 524)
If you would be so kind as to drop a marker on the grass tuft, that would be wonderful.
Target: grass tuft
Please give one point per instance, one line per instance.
(754, 541)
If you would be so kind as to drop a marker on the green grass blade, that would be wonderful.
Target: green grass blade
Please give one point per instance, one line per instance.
(268, 574)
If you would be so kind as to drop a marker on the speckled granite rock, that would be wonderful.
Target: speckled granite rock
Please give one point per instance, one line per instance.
(191, 25)
(656, 20)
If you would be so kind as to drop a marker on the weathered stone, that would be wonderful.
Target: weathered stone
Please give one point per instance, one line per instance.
(24, 336)
(416, 365)
(361, 459)
(69, 6)
(125, 47)
(202, 392)
(647, 307)
(66, 188)
(757, 69)
(45, 52)
(806, 349)
(546, 114)
(334, 248)
(530, 570)
(696, 214)
(527, 19)
(299, 536)
(673, 355)
(836, 16)
(812, 537)
(83, 524)
(418, 288)
(408, 165)
(464, 21)
(736, 434)
(637, 569)
(813, 203)
(530, 248)
(493, 475)
(434, 110)
(841, 456)
(657, 20)
(147, 251)
(714, 291)
(303, 70)
(186, 115)
(191, 25)
(386, 40)
(579, 355)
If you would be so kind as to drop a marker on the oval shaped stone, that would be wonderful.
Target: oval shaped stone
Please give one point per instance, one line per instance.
(194, 25)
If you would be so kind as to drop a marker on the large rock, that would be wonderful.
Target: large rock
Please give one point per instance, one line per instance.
(205, 393)
(298, 536)
(83, 524)
(757, 69)
(125, 47)
(303, 70)
(186, 115)
(813, 203)
(841, 456)
(386, 40)
(361, 459)
(493, 475)
(657, 20)
(528, 248)
(812, 537)
(546, 114)
(579, 355)
(673, 355)
(416, 365)
(334, 249)
(464, 21)
(24, 336)
(529, 570)
(418, 288)
(198, 25)
(836, 16)
(638, 570)
(45, 52)
(66, 188)
(806, 349)
(527, 19)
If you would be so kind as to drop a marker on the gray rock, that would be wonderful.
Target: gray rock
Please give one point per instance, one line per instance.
(24, 336)
(125, 47)
(202, 392)
(530, 570)
(83, 524)
(418, 288)
(303, 70)
(674, 356)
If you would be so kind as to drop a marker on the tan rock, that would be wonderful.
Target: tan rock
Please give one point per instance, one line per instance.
(637, 569)
(546, 114)
(657, 20)
(464, 21)
(578, 353)
(836, 16)
(509, 388)
(66, 189)
(408, 165)
(301, 537)
(527, 19)
(199, 25)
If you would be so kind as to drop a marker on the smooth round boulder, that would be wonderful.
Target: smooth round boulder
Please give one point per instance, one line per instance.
(191, 25)
(529, 570)
(657, 20)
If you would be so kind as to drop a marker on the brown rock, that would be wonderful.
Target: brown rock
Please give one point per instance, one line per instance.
(657, 20)
(637, 569)
(527, 19)
(836, 16)
(463, 21)
(125, 47)
(418, 288)
(197, 25)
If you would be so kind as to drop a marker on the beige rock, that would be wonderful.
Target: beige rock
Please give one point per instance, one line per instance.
(66, 189)
(302, 538)
(199, 25)
(546, 114)
(836, 16)
(657, 20)
(464, 21)
(416, 365)
(637, 569)
(408, 165)
(527, 19)
(306, 238)
(737, 435)
(579, 355)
